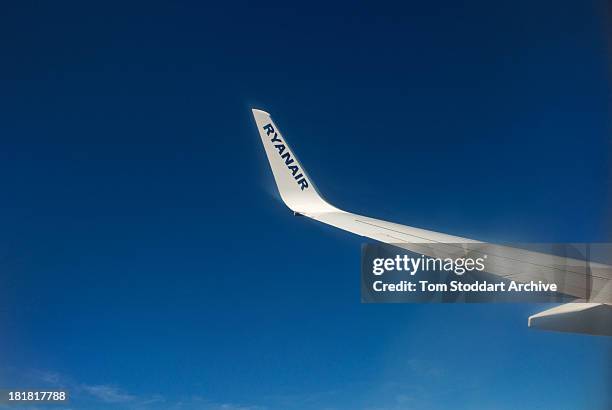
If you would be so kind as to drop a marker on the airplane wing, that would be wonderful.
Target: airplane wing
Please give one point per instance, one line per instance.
(591, 281)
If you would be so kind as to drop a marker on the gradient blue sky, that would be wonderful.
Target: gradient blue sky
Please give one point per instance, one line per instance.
(146, 261)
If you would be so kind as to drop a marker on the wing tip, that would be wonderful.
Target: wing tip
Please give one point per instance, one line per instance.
(257, 110)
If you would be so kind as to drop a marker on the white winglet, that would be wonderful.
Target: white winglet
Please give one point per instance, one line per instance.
(295, 186)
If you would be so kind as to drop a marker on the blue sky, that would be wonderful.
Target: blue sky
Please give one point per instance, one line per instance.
(147, 263)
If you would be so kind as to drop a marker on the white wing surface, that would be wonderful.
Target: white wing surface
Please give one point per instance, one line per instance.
(590, 281)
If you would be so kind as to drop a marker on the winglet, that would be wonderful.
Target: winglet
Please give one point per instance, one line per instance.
(294, 185)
